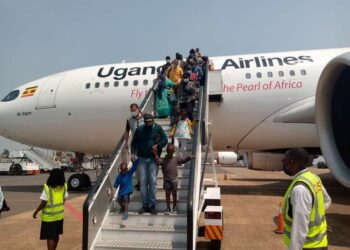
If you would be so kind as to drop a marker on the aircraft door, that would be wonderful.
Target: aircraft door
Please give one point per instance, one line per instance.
(47, 96)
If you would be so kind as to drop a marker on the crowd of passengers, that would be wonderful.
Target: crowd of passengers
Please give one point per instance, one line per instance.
(176, 94)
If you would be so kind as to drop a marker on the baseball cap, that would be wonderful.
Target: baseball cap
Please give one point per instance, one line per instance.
(148, 117)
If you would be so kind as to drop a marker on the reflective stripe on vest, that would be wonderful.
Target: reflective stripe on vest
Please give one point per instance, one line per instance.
(318, 237)
(317, 233)
(54, 209)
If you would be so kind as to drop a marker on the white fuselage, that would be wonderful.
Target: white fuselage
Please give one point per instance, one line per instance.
(64, 114)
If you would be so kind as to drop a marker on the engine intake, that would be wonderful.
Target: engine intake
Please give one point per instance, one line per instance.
(333, 116)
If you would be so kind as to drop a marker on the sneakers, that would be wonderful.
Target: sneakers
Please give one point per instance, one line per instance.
(152, 210)
(167, 211)
(125, 216)
(143, 210)
(175, 210)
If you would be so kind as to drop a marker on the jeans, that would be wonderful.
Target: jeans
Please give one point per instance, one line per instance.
(148, 181)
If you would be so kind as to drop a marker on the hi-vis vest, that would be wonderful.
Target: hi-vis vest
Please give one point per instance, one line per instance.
(317, 233)
(54, 209)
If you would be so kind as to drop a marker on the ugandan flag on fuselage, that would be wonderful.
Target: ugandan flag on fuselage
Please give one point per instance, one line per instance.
(29, 91)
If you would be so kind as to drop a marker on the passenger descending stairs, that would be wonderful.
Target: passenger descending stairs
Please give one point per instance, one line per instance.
(148, 231)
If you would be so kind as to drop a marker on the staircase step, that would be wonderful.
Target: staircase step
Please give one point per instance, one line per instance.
(139, 244)
(182, 184)
(144, 232)
(181, 193)
(162, 122)
(179, 219)
(135, 206)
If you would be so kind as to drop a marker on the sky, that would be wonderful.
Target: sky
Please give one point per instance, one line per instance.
(39, 38)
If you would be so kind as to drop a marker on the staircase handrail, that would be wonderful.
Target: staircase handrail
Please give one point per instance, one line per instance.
(194, 189)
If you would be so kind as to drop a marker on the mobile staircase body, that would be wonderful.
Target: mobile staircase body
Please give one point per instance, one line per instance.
(44, 161)
(103, 227)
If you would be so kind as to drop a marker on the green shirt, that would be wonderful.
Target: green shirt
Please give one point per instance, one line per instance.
(144, 139)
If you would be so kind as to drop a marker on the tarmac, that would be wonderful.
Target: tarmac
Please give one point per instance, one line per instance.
(250, 199)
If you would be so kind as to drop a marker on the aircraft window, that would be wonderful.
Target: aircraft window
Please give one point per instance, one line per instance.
(247, 75)
(87, 86)
(106, 84)
(126, 83)
(136, 82)
(145, 82)
(116, 84)
(292, 72)
(11, 96)
(303, 72)
(269, 74)
(258, 75)
(280, 73)
(97, 85)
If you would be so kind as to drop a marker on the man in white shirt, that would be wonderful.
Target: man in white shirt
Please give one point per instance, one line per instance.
(304, 204)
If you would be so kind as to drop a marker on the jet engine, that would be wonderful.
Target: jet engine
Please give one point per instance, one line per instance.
(332, 116)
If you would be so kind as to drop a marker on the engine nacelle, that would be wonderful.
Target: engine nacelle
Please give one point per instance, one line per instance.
(333, 116)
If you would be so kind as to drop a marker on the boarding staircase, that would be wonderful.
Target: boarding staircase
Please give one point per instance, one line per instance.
(44, 161)
(103, 227)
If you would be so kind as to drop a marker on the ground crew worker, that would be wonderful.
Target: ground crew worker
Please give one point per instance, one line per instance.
(52, 206)
(304, 204)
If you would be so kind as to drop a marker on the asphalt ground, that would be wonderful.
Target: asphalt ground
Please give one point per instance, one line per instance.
(250, 200)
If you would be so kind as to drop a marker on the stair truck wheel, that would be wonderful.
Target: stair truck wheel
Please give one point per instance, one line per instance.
(87, 180)
(76, 182)
(215, 244)
(17, 170)
(11, 169)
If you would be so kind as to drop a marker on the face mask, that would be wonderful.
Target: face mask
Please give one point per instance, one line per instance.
(134, 114)
(148, 127)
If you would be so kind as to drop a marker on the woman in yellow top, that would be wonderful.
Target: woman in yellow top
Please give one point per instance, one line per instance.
(52, 207)
(175, 73)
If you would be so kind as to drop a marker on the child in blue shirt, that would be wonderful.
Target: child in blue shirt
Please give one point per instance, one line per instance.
(124, 182)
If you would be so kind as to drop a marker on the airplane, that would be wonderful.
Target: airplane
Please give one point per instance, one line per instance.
(271, 102)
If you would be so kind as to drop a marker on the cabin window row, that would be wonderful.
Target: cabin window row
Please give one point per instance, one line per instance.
(279, 73)
(125, 83)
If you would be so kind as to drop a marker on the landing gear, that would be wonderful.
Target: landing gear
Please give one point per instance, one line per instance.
(80, 180)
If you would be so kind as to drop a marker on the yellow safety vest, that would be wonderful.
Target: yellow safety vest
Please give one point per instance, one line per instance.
(317, 233)
(54, 209)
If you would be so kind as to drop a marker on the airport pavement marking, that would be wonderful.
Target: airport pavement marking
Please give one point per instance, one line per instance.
(76, 213)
